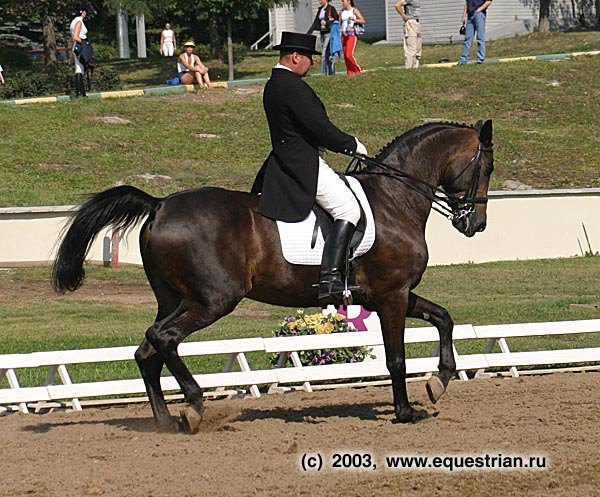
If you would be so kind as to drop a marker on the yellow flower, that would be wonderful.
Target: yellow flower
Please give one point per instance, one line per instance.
(340, 317)
(292, 325)
(323, 329)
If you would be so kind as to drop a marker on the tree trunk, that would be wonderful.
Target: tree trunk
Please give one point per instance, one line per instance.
(215, 40)
(544, 21)
(230, 75)
(597, 14)
(49, 37)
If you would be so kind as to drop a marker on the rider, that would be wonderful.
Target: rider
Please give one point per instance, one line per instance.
(295, 175)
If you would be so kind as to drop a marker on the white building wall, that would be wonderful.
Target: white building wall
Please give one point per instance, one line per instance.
(440, 19)
(375, 15)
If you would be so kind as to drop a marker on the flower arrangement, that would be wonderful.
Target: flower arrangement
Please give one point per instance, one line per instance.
(317, 324)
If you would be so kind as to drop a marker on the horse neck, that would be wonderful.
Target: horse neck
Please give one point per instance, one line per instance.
(423, 157)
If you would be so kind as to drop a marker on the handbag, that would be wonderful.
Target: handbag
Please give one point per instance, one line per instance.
(359, 29)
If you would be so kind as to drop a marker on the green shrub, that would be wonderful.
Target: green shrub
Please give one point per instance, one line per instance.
(27, 84)
(105, 79)
(104, 53)
(23, 84)
(14, 59)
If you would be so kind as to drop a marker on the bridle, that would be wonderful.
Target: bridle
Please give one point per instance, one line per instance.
(453, 207)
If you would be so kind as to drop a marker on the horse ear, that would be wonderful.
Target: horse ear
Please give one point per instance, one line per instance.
(477, 126)
(485, 133)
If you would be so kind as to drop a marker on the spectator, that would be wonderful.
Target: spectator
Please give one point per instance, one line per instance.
(326, 15)
(190, 68)
(168, 42)
(474, 16)
(348, 18)
(1, 75)
(82, 49)
(410, 10)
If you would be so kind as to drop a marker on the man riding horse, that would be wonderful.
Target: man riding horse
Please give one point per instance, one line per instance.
(295, 175)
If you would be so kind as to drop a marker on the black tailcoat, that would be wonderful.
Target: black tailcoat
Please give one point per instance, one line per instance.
(299, 125)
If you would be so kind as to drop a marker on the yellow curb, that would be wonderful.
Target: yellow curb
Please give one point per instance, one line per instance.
(122, 94)
(217, 84)
(593, 52)
(40, 100)
(516, 59)
(442, 64)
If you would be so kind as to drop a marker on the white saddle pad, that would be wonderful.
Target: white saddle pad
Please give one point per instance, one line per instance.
(296, 237)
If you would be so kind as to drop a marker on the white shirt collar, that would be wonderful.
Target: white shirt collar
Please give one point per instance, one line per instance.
(281, 66)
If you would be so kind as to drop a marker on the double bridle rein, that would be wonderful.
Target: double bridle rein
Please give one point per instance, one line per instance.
(453, 207)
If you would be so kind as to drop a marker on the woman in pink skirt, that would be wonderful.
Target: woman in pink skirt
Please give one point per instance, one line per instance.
(349, 17)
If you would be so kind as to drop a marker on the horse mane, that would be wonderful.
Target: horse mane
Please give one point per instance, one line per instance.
(403, 140)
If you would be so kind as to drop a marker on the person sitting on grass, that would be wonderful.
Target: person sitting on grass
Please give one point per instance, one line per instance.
(190, 68)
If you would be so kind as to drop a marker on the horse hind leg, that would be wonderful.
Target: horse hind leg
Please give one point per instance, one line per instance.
(166, 335)
(421, 308)
(151, 364)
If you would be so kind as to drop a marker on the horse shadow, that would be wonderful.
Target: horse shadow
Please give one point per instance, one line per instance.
(222, 420)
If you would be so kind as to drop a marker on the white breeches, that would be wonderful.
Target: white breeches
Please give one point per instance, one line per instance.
(78, 66)
(334, 196)
(168, 49)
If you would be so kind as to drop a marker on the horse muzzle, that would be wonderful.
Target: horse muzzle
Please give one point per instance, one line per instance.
(466, 221)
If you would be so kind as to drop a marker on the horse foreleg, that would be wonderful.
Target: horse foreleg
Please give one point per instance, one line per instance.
(393, 316)
(420, 308)
(151, 364)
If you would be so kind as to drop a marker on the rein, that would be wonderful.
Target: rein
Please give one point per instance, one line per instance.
(451, 206)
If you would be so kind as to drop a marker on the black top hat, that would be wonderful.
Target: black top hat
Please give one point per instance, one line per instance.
(297, 42)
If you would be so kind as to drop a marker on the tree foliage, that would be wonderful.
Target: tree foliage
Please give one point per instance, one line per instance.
(47, 12)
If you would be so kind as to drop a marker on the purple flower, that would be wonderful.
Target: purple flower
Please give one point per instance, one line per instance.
(288, 319)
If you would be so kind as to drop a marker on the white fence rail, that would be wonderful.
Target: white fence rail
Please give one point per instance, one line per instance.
(22, 398)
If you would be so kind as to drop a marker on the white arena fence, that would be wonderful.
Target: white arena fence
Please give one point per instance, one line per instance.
(68, 393)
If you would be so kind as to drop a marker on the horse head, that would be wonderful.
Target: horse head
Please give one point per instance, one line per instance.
(467, 179)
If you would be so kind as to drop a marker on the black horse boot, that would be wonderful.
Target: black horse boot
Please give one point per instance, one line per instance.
(333, 266)
(79, 86)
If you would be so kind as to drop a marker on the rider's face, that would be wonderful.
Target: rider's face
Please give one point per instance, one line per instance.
(304, 63)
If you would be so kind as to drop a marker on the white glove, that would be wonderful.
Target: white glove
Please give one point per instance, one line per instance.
(360, 148)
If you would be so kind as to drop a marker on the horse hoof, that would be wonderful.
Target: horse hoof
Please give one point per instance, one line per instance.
(171, 425)
(411, 416)
(191, 420)
(435, 389)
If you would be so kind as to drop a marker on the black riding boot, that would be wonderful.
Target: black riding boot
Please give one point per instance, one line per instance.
(79, 86)
(333, 266)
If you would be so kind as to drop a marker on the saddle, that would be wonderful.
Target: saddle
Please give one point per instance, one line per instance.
(302, 242)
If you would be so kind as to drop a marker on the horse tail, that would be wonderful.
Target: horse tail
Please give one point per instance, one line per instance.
(120, 207)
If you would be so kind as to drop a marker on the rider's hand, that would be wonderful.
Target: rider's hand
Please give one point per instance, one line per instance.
(360, 148)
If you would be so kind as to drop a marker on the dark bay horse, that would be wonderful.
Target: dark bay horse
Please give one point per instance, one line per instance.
(206, 249)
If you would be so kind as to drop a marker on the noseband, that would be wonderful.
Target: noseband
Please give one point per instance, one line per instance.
(452, 206)
(465, 205)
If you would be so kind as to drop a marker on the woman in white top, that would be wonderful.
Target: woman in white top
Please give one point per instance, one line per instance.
(1, 76)
(79, 34)
(190, 68)
(168, 43)
(349, 17)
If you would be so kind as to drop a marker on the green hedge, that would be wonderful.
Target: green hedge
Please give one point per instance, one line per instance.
(23, 84)
(13, 59)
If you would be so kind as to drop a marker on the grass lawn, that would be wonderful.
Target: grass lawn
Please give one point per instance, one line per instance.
(493, 293)
(545, 129)
(138, 73)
